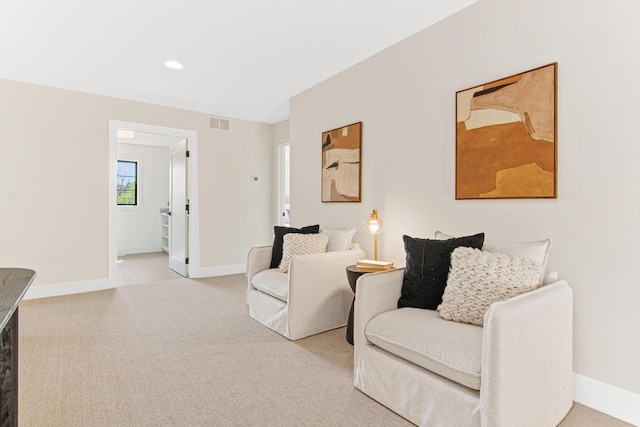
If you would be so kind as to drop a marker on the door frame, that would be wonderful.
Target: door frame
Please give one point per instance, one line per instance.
(192, 178)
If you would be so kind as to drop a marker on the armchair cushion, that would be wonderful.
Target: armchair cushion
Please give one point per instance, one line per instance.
(477, 279)
(452, 350)
(301, 244)
(427, 266)
(272, 282)
(280, 232)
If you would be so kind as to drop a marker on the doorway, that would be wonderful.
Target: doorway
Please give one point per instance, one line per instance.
(284, 185)
(160, 137)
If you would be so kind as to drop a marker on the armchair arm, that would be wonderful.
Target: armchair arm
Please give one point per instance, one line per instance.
(527, 358)
(319, 291)
(258, 259)
(375, 294)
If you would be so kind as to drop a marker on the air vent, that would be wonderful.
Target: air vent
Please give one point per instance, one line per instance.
(216, 123)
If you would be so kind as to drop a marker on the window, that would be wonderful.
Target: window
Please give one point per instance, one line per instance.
(127, 183)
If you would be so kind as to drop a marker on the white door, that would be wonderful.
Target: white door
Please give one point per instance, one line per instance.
(179, 209)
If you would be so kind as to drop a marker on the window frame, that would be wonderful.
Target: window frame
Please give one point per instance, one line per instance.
(136, 186)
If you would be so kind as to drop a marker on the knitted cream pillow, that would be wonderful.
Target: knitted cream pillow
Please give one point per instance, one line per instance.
(301, 244)
(477, 279)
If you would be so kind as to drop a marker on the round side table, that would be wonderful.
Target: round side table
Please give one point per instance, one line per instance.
(352, 276)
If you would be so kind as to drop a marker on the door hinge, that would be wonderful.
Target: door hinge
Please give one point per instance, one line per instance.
(186, 260)
(187, 208)
(188, 153)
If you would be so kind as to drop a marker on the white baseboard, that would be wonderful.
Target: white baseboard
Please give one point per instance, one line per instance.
(614, 401)
(221, 270)
(57, 289)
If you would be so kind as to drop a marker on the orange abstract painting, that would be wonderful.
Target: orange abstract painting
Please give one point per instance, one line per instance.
(341, 164)
(506, 137)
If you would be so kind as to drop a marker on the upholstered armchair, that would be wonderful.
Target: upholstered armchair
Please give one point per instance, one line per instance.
(513, 370)
(313, 296)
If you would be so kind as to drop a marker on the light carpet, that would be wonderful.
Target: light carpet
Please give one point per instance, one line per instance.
(134, 269)
(184, 353)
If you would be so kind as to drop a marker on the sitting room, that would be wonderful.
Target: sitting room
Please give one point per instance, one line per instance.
(426, 114)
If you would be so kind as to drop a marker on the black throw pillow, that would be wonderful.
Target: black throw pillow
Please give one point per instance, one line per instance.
(427, 268)
(278, 240)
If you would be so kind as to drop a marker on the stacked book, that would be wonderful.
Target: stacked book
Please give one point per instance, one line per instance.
(370, 266)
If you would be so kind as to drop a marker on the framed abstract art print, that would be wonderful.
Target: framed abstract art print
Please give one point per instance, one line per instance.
(341, 164)
(506, 141)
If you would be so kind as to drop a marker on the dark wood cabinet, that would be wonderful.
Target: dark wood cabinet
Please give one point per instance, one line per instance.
(14, 284)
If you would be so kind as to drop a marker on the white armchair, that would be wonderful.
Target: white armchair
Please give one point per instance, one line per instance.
(515, 370)
(312, 297)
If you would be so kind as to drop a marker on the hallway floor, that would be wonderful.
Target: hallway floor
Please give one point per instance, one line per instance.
(144, 268)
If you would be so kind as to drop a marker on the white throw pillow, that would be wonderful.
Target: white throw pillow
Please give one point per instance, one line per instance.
(537, 251)
(477, 279)
(339, 239)
(301, 244)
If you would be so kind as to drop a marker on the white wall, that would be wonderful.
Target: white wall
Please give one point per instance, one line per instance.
(54, 155)
(139, 226)
(405, 97)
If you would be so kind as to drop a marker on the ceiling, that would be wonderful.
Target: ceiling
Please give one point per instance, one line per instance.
(242, 58)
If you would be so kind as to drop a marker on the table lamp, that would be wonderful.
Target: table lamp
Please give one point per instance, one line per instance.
(373, 224)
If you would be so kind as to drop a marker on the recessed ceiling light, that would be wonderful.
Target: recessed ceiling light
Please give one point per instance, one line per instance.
(174, 65)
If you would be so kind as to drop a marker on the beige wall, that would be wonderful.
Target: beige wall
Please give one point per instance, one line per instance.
(280, 132)
(237, 209)
(54, 151)
(405, 97)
